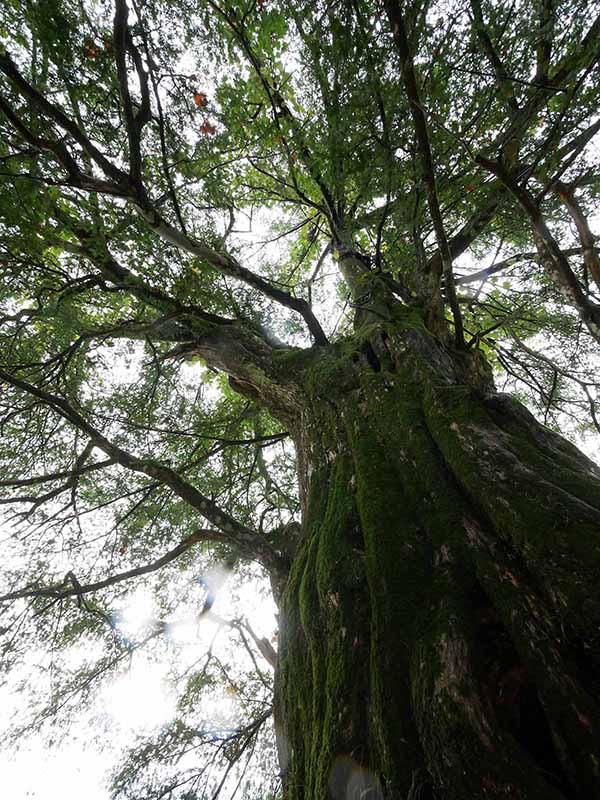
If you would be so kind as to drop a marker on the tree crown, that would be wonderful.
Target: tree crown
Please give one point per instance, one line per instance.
(198, 199)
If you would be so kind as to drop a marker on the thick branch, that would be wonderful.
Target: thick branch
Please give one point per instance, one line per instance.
(230, 266)
(587, 52)
(99, 254)
(545, 38)
(586, 237)
(490, 51)
(61, 154)
(583, 57)
(552, 257)
(7, 66)
(222, 262)
(133, 121)
(472, 228)
(578, 143)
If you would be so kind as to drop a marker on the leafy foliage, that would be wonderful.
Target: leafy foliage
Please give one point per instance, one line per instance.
(189, 188)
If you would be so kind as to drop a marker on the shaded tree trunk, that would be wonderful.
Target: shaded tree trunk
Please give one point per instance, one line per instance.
(440, 618)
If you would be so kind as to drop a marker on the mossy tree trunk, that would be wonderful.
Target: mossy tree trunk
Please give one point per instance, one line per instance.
(440, 617)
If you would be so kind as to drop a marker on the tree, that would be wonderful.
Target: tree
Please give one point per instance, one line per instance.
(272, 200)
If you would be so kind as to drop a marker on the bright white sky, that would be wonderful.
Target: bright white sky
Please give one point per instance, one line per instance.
(138, 701)
(68, 773)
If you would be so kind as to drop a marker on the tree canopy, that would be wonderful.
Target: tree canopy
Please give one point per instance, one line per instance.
(189, 192)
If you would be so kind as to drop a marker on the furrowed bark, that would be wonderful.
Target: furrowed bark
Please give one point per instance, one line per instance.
(440, 615)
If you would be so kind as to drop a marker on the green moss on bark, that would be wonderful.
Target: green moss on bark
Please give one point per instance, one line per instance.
(414, 496)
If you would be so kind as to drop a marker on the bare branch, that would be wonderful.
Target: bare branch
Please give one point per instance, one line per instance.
(55, 476)
(500, 266)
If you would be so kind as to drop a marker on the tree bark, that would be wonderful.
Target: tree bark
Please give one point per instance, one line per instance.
(439, 621)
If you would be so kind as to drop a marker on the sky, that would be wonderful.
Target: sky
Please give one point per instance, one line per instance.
(138, 702)
(70, 772)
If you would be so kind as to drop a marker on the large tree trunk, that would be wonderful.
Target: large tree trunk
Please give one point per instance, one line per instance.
(440, 620)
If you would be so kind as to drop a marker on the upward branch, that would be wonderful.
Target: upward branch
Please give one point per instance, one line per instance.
(134, 121)
(281, 111)
(131, 187)
(434, 278)
(551, 255)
